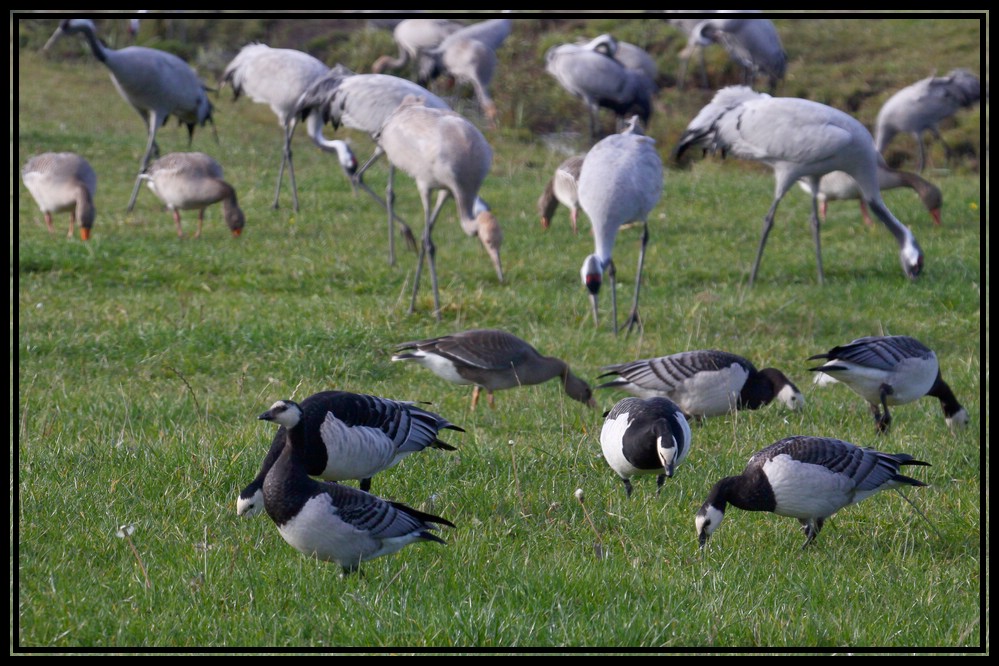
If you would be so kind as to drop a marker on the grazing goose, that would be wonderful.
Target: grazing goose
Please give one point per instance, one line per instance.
(797, 138)
(642, 436)
(493, 360)
(921, 106)
(705, 382)
(351, 436)
(563, 189)
(60, 182)
(808, 478)
(840, 186)
(193, 181)
(891, 370)
(326, 520)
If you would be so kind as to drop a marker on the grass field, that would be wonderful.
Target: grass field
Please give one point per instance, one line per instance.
(142, 361)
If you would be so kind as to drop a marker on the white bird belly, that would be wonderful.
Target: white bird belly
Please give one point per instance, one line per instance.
(318, 531)
(804, 490)
(711, 393)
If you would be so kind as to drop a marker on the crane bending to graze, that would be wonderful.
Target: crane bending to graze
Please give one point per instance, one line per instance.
(157, 84)
(469, 55)
(921, 106)
(413, 37)
(362, 102)
(443, 151)
(797, 138)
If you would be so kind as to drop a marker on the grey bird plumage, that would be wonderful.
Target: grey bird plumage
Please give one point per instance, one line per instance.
(63, 182)
(348, 436)
(326, 520)
(919, 108)
(798, 139)
(808, 478)
(493, 360)
(363, 102)
(157, 84)
(704, 382)
(276, 77)
(443, 152)
(620, 182)
(890, 370)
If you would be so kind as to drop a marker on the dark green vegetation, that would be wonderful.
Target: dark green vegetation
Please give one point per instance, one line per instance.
(142, 362)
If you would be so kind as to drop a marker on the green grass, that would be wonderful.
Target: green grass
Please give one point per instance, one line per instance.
(143, 360)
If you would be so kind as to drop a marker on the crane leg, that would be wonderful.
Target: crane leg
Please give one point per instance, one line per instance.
(390, 200)
(286, 156)
(768, 223)
(612, 274)
(633, 318)
(815, 236)
(154, 123)
(428, 250)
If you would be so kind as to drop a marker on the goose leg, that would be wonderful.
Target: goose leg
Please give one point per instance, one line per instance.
(883, 422)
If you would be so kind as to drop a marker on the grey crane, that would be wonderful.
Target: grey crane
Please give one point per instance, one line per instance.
(157, 84)
(276, 77)
(468, 55)
(797, 138)
(413, 37)
(443, 151)
(920, 107)
(563, 188)
(362, 102)
(753, 43)
(620, 182)
(600, 80)
(60, 182)
(840, 186)
(631, 56)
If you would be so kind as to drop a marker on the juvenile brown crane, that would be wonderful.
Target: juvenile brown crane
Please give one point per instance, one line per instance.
(443, 152)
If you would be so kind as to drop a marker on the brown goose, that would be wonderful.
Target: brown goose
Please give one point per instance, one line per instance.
(839, 186)
(61, 182)
(563, 189)
(193, 181)
(493, 360)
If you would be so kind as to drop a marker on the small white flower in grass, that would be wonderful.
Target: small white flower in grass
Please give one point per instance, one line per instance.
(579, 495)
(126, 531)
